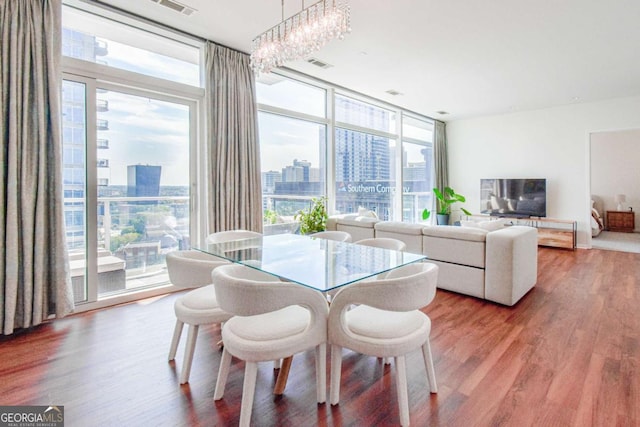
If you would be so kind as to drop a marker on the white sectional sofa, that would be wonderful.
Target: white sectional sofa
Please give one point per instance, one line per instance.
(499, 265)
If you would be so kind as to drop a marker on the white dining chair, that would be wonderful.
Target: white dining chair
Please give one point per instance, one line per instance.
(384, 242)
(192, 269)
(387, 322)
(273, 320)
(339, 236)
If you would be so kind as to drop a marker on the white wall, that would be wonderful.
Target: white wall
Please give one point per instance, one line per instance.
(615, 168)
(552, 143)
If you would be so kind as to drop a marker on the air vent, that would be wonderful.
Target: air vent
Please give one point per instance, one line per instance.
(394, 92)
(318, 63)
(174, 5)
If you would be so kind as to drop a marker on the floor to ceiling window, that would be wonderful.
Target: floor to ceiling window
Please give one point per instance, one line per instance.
(293, 149)
(417, 167)
(359, 152)
(365, 153)
(129, 127)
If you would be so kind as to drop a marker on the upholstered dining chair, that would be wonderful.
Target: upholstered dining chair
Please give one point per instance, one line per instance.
(192, 269)
(387, 322)
(273, 320)
(384, 242)
(339, 236)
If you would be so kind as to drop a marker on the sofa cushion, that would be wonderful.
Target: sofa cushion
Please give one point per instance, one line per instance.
(400, 227)
(458, 245)
(359, 221)
(410, 234)
(364, 212)
(359, 227)
(453, 232)
(485, 225)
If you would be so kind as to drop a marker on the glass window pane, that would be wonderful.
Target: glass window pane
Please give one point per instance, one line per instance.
(143, 196)
(365, 174)
(293, 155)
(417, 178)
(281, 92)
(96, 39)
(417, 129)
(74, 172)
(358, 113)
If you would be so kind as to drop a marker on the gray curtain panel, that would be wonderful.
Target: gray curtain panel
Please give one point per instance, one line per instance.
(235, 192)
(440, 159)
(34, 271)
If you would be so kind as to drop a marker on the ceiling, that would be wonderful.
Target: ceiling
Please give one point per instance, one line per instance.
(467, 57)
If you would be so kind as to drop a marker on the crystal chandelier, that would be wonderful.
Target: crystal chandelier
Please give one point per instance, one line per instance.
(299, 35)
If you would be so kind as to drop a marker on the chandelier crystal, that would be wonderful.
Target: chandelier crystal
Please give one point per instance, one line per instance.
(301, 34)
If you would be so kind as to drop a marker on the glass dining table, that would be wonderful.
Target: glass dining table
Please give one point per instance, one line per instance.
(321, 264)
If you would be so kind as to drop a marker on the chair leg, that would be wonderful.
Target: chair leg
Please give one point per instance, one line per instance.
(428, 363)
(321, 372)
(276, 364)
(401, 386)
(192, 336)
(336, 367)
(177, 332)
(223, 373)
(248, 390)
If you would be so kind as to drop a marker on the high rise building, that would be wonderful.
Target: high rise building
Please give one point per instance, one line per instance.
(269, 180)
(74, 138)
(363, 161)
(143, 180)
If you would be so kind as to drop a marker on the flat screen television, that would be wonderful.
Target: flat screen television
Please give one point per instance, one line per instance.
(514, 197)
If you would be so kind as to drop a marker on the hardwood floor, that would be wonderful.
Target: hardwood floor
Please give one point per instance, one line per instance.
(568, 354)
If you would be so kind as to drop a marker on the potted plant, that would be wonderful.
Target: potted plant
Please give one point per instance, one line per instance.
(444, 200)
(314, 219)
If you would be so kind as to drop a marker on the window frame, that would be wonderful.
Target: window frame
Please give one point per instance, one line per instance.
(95, 75)
(332, 124)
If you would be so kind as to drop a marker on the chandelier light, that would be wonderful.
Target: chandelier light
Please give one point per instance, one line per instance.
(301, 34)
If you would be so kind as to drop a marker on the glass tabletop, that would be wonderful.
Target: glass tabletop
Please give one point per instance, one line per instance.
(317, 263)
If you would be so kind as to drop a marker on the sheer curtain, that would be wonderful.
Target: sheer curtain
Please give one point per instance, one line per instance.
(34, 268)
(235, 192)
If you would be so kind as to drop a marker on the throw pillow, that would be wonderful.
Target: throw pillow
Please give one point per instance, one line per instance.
(366, 213)
(485, 225)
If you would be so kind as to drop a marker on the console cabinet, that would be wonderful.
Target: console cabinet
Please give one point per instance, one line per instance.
(557, 233)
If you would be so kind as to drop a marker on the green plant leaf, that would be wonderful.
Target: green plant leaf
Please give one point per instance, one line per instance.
(315, 218)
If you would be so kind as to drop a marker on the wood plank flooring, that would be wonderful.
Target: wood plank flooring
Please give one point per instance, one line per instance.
(568, 354)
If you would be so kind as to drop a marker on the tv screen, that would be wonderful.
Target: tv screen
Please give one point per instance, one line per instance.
(514, 197)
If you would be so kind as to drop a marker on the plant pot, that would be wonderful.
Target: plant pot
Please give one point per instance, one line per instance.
(442, 219)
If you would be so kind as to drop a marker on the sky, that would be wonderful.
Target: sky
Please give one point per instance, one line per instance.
(144, 130)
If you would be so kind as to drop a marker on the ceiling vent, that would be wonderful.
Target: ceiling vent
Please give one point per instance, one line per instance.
(393, 92)
(318, 63)
(174, 5)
